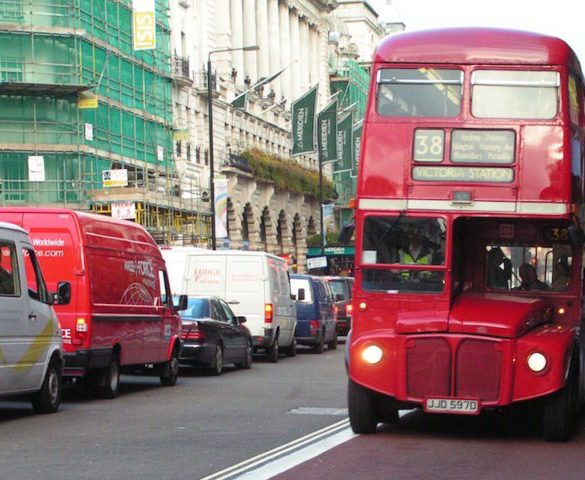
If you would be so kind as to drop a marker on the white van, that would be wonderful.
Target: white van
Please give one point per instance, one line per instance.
(31, 353)
(255, 284)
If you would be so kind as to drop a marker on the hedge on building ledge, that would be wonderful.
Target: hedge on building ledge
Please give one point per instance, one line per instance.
(287, 175)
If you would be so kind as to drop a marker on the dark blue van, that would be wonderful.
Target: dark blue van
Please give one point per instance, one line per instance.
(315, 316)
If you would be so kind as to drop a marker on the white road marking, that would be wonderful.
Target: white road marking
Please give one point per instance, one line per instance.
(283, 458)
(312, 440)
(319, 411)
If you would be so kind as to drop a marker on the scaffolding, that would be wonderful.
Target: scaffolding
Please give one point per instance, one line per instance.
(54, 56)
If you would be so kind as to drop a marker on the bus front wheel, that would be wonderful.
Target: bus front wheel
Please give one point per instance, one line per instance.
(362, 408)
(561, 410)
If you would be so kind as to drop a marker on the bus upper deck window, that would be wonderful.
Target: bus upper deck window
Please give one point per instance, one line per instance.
(515, 94)
(419, 92)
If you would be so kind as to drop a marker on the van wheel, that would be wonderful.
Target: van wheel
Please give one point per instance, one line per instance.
(247, 363)
(332, 345)
(111, 377)
(217, 365)
(319, 347)
(171, 371)
(273, 351)
(48, 398)
(362, 408)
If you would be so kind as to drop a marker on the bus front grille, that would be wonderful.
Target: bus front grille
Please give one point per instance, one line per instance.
(468, 368)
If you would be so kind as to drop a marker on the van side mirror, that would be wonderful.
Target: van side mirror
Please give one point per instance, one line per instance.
(346, 233)
(63, 295)
(241, 319)
(576, 235)
(301, 294)
(182, 305)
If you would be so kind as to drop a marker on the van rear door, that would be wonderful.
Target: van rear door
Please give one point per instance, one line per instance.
(247, 284)
(205, 275)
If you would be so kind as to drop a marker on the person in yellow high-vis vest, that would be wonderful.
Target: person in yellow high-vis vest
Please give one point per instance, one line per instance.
(416, 253)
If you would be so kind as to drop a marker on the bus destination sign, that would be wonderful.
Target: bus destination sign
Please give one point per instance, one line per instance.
(483, 146)
(463, 174)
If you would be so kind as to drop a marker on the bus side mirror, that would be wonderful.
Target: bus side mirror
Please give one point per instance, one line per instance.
(576, 235)
(301, 294)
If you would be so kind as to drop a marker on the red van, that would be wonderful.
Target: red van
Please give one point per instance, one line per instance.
(121, 315)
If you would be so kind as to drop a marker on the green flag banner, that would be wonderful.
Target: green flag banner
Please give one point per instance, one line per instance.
(357, 145)
(241, 101)
(303, 123)
(327, 133)
(344, 144)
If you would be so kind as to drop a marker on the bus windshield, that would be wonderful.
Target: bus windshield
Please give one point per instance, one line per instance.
(419, 92)
(406, 245)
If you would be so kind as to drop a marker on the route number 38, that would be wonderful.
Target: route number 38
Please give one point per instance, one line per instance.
(429, 145)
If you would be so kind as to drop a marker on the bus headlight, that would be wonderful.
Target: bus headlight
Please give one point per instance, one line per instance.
(372, 354)
(537, 362)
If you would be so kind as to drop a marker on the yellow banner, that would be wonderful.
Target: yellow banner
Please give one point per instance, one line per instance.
(85, 100)
(143, 25)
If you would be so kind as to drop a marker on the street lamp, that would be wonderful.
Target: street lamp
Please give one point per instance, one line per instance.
(210, 119)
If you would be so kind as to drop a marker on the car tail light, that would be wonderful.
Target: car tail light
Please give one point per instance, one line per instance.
(335, 311)
(81, 328)
(268, 313)
(349, 309)
(192, 332)
(314, 325)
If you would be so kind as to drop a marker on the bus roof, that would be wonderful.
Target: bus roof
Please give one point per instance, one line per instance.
(474, 45)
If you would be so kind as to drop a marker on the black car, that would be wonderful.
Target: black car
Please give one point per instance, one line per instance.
(213, 336)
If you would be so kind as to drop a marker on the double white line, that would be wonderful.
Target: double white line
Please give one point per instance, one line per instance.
(285, 457)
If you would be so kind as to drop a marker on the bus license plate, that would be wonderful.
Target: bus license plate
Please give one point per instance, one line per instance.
(462, 406)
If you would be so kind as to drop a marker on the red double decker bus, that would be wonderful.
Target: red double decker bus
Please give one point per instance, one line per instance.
(469, 248)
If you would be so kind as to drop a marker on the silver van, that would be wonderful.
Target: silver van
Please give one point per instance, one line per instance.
(31, 353)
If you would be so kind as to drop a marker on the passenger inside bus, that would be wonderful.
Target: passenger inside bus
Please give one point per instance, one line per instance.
(561, 275)
(529, 279)
(499, 269)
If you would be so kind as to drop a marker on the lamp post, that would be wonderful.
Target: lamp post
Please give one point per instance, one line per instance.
(210, 120)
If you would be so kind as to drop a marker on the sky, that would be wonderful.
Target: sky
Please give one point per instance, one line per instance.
(560, 18)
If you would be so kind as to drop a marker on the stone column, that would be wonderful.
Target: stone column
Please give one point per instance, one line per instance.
(274, 49)
(222, 22)
(305, 55)
(262, 37)
(250, 63)
(323, 64)
(270, 229)
(315, 55)
(285, 51)
(236, 17)
(295, 54)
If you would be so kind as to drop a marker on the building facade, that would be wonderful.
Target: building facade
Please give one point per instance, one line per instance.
(76, 101)
(292, 39)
